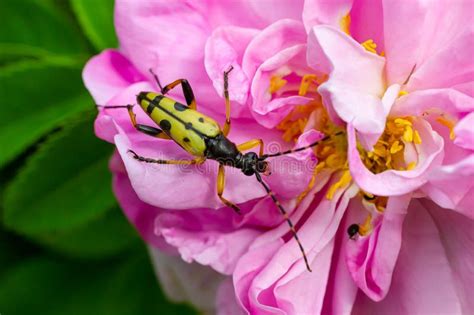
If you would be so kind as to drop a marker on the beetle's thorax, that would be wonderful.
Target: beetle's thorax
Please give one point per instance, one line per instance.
(226, 152)
(223, 150)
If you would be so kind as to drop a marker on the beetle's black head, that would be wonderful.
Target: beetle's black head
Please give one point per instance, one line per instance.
(251, 164)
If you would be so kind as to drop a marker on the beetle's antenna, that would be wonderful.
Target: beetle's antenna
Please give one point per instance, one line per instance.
(285, 215)
(265, 156)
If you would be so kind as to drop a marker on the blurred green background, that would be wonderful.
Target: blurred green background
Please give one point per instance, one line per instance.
(65, 246)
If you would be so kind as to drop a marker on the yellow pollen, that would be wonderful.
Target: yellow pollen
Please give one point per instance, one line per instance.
(402, 92)
(448, 123)
(411, 166)
(276, 83)
(345, 24)
(370, 45)
(396, 147)
(342, 182)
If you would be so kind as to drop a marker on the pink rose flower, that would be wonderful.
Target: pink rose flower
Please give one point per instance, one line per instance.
(391, 84)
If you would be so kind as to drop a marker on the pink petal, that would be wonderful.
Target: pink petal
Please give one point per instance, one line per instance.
(371, 259)
(269, 111)
(226, 303)
(275, 38)
(419, 31)
(317, 12)
(425, 252)
(276, 10)
(206, 236)
(355, 85)
(107, 74)
(367, 22)
(272, 279)
(464, 132)
(341, 290)
(150, 37)
(223, 49)
(454, 61)
(420, 103)
(451, 186)
(250, 13)
(140, 214)
(183, 282)
(457, 236)
(392, 182)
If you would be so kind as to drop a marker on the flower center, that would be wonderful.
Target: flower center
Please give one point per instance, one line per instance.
(388, 152)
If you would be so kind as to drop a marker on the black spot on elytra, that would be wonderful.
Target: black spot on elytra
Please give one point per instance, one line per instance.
(165, 125)
(150, 108)
(180, 107)
(188, 125)
(201, 119)
(186, 139)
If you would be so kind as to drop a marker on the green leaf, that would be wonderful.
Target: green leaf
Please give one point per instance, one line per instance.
(36, 98)
(36, 28)
(134, 290)
(106, 236)
(64, 185)
(96, 19)
(54, 287)
(47, 286)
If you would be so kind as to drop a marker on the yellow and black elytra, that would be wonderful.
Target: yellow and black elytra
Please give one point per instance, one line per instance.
(202, 137)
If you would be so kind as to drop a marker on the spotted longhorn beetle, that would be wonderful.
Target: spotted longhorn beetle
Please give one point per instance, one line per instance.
(202, 137)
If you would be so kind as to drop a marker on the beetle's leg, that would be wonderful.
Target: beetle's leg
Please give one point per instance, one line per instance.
(151, 131)
(220, 189)
(140, 158)
(251, 144)
(187, 90)
(226, 128)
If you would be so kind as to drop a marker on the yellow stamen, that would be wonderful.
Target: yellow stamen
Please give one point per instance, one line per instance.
(276, 83)
(306, 81)
(448, 123)
(396, 147)
(411, 166)
(402, 122)
(342, 182)
(309, 187)
(370, 45)
(408, 134)
(416, 137)
(366, 227)
(345, 24)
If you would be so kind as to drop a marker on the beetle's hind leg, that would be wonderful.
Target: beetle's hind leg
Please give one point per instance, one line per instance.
(220, 189)
(148, 130)
(185, 86)
(140, 158)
